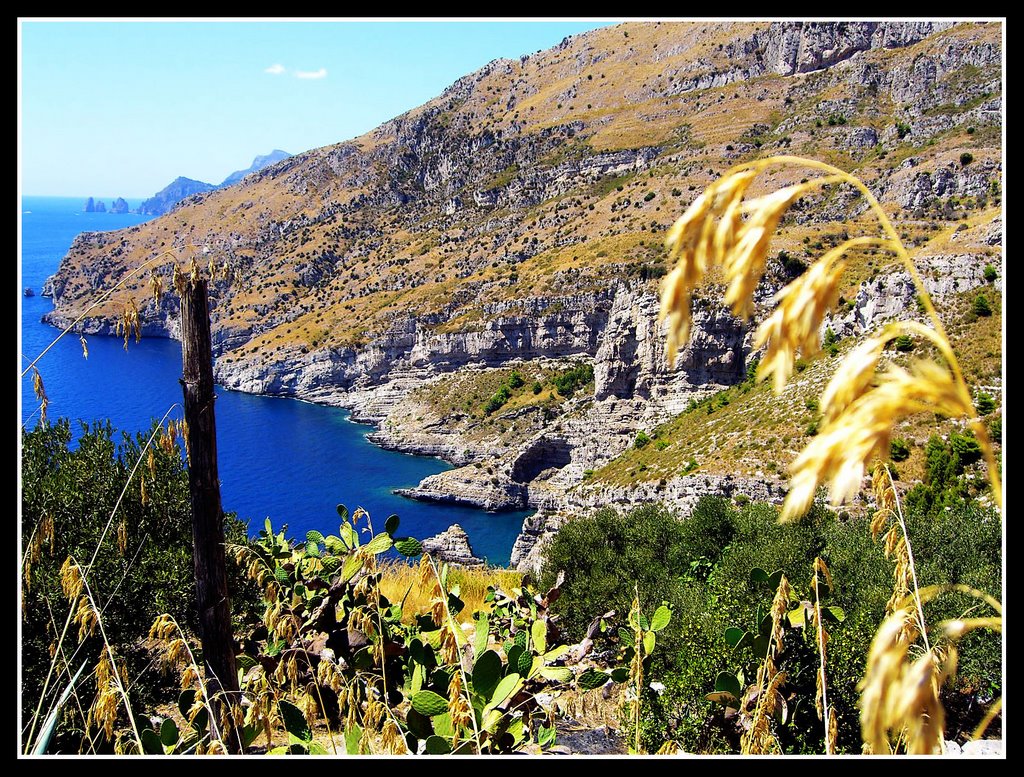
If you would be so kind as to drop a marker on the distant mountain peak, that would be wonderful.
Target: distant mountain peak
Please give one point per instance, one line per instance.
(177, 190)
(258, 163)
(182, 187)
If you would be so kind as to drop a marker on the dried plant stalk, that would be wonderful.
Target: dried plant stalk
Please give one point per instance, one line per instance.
(720, 229)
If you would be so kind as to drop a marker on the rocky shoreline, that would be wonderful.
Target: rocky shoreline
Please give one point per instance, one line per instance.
(543, 467)
(535, 245)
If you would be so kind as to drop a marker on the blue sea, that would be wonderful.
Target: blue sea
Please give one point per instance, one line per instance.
(284, 459)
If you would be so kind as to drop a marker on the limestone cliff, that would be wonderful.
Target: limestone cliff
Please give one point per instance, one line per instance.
(516, 221)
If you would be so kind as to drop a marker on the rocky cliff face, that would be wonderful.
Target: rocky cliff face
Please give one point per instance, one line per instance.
(518, 219)
(452, 546)
(802, 47)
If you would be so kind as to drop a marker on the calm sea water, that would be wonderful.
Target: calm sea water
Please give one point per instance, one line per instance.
(278, 458)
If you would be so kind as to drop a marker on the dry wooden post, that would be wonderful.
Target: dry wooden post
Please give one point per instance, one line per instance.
(207, 515)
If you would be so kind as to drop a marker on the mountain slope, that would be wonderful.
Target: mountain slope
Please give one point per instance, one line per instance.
(518, 218)
(264, 160)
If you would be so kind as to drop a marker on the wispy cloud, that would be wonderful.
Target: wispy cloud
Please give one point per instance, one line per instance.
(321, 73)
(275, 69)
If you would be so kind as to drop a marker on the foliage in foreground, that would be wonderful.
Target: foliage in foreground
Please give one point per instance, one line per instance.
(141, 559)
(702, 566)
(333, 648)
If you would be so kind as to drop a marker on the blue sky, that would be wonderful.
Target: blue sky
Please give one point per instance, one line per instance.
(122, 108)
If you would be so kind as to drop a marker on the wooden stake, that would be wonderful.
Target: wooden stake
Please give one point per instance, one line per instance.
(207, 515)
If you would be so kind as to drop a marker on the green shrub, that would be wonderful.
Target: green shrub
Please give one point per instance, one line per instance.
(702, 564)
(985, 404)
(981, 306)
(515, 380)
(965, 446)
(904, 343)
(990, 273)
(536, 387)
(568, 382)
(899, 449)
(605, 553)
(966, 158)
(830, 343)
(642, 440)
(497, 400)
(995, 429)
(143, 566)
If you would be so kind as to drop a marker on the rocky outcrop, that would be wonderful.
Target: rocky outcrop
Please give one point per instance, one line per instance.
(916, 186)
(119, 205)
(452, 546)
(890, 297)
(469, 486)
(94, 206)
(802, 47)
(617, 328)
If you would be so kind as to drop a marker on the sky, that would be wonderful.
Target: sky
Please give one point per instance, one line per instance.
(122, 108)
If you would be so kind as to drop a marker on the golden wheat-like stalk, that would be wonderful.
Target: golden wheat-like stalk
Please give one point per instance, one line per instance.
(450, 632)
(758, 739)
(825, 714)
(722, 230)
(900, 692)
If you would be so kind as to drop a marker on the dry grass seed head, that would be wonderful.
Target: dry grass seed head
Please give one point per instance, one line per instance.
(310, 707)
(391, 739)
(458, 708)
(852, 378)
(694, 242)
(156, 285)
(86, 618)
(327, 675)
(85, 346)
(190, 678)
(103, 711)
(744, 265)
(820, 566)
(40, 392)
(183, 433)
(794, 324)
(130, 322)
(178, 280)
(892, 696)
(71, 581)
(780, 604)
(840, 452)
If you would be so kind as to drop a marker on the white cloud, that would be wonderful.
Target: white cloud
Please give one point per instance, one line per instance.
(321, 73)
(275, 69)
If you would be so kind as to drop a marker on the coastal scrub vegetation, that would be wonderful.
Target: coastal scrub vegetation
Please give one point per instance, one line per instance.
(911, 657)
(792, 630)
(701, 567)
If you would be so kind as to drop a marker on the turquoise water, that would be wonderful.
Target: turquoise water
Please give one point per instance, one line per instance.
(287, 460)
